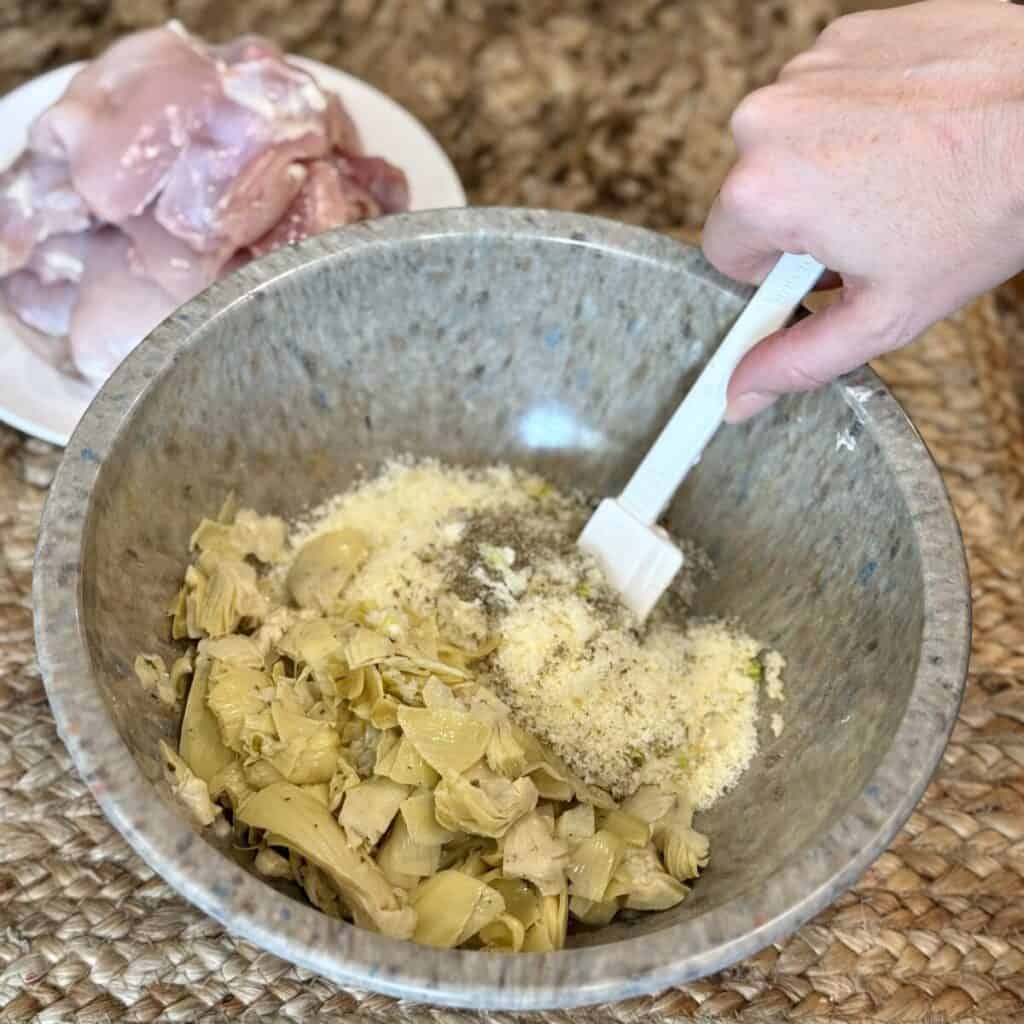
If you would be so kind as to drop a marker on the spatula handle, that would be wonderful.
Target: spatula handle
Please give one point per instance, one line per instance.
(685, 436)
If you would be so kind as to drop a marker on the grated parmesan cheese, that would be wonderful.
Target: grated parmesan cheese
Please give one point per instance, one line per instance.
(676, 708)
(492, 554)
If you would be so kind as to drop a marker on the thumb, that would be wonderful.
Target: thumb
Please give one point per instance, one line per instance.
(856, 327)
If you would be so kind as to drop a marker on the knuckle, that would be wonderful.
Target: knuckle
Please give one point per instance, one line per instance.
(716, 252)
(752, 112)
(720, 255)
(745, 191)
(847, 28)
(770, 113)
(808, 62)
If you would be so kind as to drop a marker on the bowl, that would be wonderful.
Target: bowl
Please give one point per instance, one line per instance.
(561, 343)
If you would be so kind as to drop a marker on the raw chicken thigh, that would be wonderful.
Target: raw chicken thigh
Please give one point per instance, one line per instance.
(166, 163)
(36, 201)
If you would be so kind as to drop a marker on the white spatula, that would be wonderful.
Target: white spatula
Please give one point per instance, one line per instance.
(637, 556)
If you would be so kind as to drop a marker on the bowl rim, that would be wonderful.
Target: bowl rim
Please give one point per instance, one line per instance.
(812, 879)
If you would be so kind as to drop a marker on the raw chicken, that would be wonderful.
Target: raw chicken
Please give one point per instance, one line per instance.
(247, 48)
(385, 182)
(233, 186)
(341, 129)
(173, 264)
(165, 164)
(46, 306)
(42, 294)
(36, 201)
(59, 258)
(126, 117)
(329, 198)
(340, 189)
(240, 173)
(111, 281)
(52, 350)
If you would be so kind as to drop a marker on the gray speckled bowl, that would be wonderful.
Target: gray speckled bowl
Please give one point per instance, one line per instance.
(558, 342)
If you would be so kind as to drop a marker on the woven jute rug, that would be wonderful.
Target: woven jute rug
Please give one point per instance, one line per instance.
(616, 108)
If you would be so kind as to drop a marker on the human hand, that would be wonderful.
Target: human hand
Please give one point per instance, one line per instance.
(893, 152)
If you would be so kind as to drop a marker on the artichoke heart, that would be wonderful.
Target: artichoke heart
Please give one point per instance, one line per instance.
(323, 567)
(300, 822)
(405, 861)
(262, 537)
(369, 809)
(452, 907)
(682, 847)
(576, 823)
(644, 883)
(488, 807)
(421, 821)
(448, 740)
(151, 672)
(592, 864)
(188, 789)
(533, 853)
(201, 744)
(235, 697)
(309, 749)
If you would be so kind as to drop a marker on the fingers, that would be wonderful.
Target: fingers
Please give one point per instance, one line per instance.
(807, 63)
(735, 248)
(756, 217)
(855, 328)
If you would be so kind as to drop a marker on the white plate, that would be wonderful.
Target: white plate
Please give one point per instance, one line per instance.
(40, 400)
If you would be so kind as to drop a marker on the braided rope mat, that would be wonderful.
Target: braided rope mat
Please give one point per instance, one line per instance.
(620, 109)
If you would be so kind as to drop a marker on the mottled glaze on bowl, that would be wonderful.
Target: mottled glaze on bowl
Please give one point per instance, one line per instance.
(558, 342)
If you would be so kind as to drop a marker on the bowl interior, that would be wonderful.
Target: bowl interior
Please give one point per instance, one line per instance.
(564, 356)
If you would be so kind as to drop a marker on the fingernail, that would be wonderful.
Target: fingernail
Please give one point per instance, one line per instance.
(742, 407)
